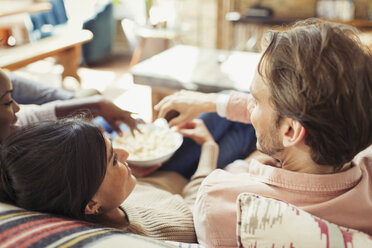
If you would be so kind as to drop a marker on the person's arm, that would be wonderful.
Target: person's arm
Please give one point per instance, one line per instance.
(97, 106)
(187, 104)
(238, 107)
(197, 131)
(28, 91)
(93, 106)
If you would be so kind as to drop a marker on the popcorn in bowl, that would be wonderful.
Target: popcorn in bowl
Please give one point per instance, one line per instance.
(153, 146)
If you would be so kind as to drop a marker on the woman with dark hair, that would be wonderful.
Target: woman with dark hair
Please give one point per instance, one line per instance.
(237, 140)
(67, 167)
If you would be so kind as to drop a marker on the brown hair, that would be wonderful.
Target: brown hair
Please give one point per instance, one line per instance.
(320, 74)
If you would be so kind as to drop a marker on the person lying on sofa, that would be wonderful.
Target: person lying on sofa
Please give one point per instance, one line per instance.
(94, 105)
(311, 107)
(67, 167)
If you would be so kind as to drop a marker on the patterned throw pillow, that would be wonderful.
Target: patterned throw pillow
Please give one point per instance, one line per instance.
(22, 228)
(266, 222)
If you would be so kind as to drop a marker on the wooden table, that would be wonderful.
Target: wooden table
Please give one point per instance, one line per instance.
(66, 46)
(193, 68)
(8, 8)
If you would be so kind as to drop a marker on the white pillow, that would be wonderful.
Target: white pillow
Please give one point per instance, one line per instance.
(267, 222)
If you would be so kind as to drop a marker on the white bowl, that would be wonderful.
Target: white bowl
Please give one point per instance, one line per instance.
(168, 134)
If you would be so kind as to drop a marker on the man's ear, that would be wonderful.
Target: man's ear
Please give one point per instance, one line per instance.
(294, 132)
(92, 207)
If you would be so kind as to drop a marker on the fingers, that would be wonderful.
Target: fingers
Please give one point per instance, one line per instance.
(159, 105)
(133, 127)
(116, 128)
(164, 109)
(171, 115)
(178, 120)
(187, 132)
(136, 128)
(187, 125)
(198, 122)
(140, 121)
(132, 132)
(162, 102)
(182, 119)
(132, 124)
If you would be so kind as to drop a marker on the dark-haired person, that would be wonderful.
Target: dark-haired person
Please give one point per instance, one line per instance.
(94, 105)
(311, 107)
(67, 167)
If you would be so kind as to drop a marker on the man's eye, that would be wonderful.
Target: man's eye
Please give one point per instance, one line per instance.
(115, 159)
(8, 103)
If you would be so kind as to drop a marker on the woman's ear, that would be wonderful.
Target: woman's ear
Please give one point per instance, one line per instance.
(294, 132)
(92, 208)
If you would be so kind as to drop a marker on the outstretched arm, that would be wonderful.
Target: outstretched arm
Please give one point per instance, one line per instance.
(187, 104)
(28, 91)
(97, 106)
(93, 106)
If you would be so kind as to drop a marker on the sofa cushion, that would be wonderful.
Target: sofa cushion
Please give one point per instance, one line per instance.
(22, 228)
(267, 222)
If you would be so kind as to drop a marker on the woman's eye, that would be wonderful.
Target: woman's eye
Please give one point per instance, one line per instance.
(8, 103)
(115, 159)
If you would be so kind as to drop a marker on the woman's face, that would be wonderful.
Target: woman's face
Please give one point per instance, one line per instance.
(118, 182)
(8, 107)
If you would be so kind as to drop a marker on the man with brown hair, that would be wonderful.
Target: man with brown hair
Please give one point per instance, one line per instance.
(311, 107)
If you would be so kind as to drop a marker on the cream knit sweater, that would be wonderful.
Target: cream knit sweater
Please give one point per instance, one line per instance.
(161, 205)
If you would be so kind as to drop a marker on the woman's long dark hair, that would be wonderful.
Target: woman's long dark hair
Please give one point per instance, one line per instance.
(54, 167)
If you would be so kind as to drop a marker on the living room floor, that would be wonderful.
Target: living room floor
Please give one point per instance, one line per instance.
(111, 78)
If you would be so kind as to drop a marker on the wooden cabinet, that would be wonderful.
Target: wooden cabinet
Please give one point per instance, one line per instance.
(235, 31)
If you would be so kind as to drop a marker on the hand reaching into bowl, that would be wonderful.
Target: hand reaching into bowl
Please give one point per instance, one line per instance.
(196, 130)
(187, 104)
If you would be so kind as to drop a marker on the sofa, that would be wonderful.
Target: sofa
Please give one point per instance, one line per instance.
(262, 222)
(22, 228)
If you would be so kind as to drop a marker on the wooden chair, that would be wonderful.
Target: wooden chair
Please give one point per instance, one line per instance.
(137, 36)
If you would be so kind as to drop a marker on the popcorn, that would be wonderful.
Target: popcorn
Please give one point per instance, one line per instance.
(152, 143)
